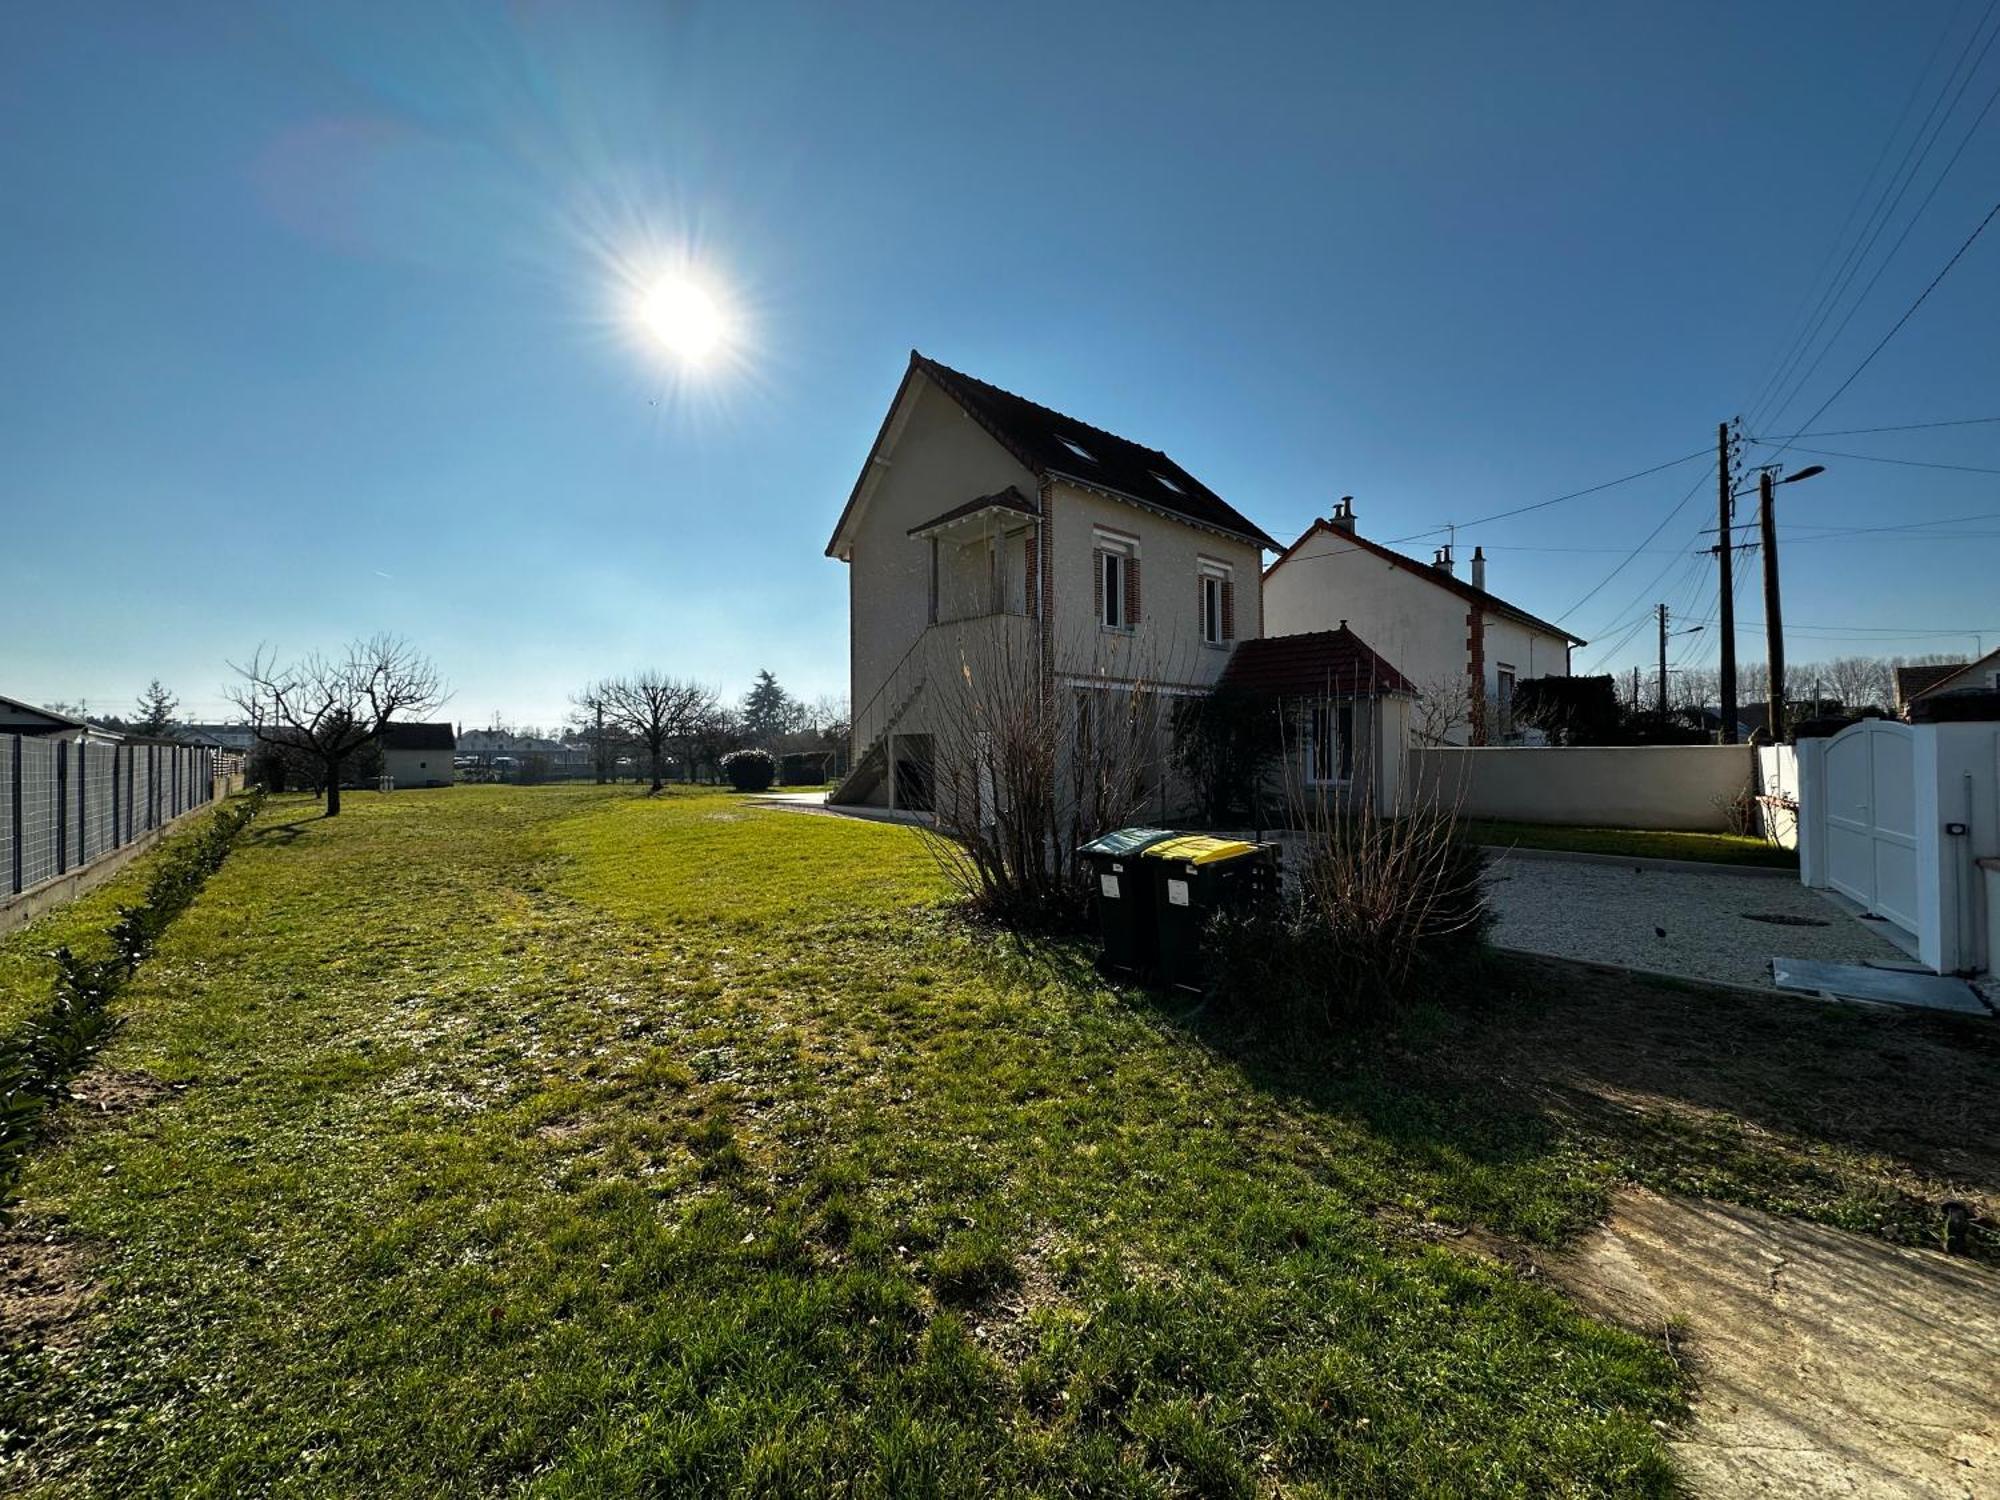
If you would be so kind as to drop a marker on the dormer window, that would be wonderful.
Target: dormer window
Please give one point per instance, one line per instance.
(1078, 449)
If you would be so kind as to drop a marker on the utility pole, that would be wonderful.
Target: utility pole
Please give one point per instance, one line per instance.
(1774, 623)
(1725, 552)
(1663, 663)
(1635, 690)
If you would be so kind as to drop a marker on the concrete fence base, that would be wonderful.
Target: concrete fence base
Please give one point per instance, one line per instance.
(19, 911)
(1674, 788)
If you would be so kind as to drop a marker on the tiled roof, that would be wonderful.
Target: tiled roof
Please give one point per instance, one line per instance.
(1050, 443)
(1007, 499)
(418, 737)
(1450, 582)
(1319, 663)
(1914, 682)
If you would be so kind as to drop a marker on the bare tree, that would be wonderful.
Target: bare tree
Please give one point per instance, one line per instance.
(325, 709)
(1443, 708)
(657, 711)
(1857, 681)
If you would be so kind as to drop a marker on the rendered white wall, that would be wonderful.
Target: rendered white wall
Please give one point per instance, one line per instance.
(940, 458)
(1167, 645)
(1672, 787)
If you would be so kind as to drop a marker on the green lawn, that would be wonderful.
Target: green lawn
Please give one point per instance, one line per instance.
(1714, 848)
(568, 1141)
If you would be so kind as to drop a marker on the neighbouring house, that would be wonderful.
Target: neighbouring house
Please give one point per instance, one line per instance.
(418, 755)
(1344, 711)
(1462, 647)
(18, 717)
(1947, 679)
(240, 738)
(986, 527)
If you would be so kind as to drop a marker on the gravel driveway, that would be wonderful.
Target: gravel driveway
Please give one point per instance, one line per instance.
(1698, 924)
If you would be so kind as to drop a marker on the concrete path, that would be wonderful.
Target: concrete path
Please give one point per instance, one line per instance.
(815, 802)
(1828, 1363)
(1711, 925)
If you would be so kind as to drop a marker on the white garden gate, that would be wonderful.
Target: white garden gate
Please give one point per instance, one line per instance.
(1898, 818)
(1871, 818)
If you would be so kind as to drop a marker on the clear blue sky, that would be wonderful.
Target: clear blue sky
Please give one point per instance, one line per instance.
(317, 319)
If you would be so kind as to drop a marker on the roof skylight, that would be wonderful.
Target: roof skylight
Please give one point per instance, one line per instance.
(1077, 448)
(1169, 483)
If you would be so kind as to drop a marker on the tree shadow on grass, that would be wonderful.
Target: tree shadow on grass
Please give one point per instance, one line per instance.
(283, 833)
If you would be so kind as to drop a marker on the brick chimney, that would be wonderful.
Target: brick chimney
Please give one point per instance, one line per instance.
(1342, 518)
(1479, 568)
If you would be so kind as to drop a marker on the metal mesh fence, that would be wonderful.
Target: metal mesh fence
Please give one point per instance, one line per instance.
(36, 819)
(95, 796)
(63, 806)
(7, 755)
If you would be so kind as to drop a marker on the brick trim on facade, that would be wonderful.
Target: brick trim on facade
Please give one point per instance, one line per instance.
(1475, 672)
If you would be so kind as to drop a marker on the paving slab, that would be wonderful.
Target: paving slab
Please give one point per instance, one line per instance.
(1884, 985)
(1828, 1363)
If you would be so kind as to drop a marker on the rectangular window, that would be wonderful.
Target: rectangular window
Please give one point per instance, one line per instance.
(1115, 580)
(1213, 594)
(1503, 697)
(1330, 744)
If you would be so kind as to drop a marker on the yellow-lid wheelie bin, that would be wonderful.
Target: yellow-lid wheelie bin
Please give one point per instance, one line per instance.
(1195, 876)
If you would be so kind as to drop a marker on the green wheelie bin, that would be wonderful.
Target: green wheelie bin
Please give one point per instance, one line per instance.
(1123, 891)
(1195, 876)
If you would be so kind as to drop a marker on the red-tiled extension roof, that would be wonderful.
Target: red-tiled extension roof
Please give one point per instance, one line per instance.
(1318, 664)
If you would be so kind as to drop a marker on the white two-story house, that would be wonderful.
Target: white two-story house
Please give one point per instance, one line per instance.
(1463, 648)
(985, 526)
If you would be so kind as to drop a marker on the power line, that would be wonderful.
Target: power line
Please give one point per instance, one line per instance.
(1909, 225)
(1908, 463)
(1665, 521)
(1810, 305)
(1908, 313)
(1890, 199)
(1521, 510)
(1786, 437)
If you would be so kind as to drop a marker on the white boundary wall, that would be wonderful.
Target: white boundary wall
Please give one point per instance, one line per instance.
(1778, 794)
(1682, 788)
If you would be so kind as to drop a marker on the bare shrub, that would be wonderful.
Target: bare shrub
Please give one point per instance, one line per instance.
(1026, 767)
(1379, 907)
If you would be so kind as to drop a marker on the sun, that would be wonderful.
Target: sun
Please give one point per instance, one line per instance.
(683, 318)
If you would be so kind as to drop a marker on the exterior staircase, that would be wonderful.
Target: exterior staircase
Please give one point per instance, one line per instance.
(874, 723)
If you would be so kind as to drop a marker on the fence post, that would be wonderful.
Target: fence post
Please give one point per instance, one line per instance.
(115, 840)
(62, 807)
(82, 803)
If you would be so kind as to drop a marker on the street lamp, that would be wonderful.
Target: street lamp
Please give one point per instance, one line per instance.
(1774, 623)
